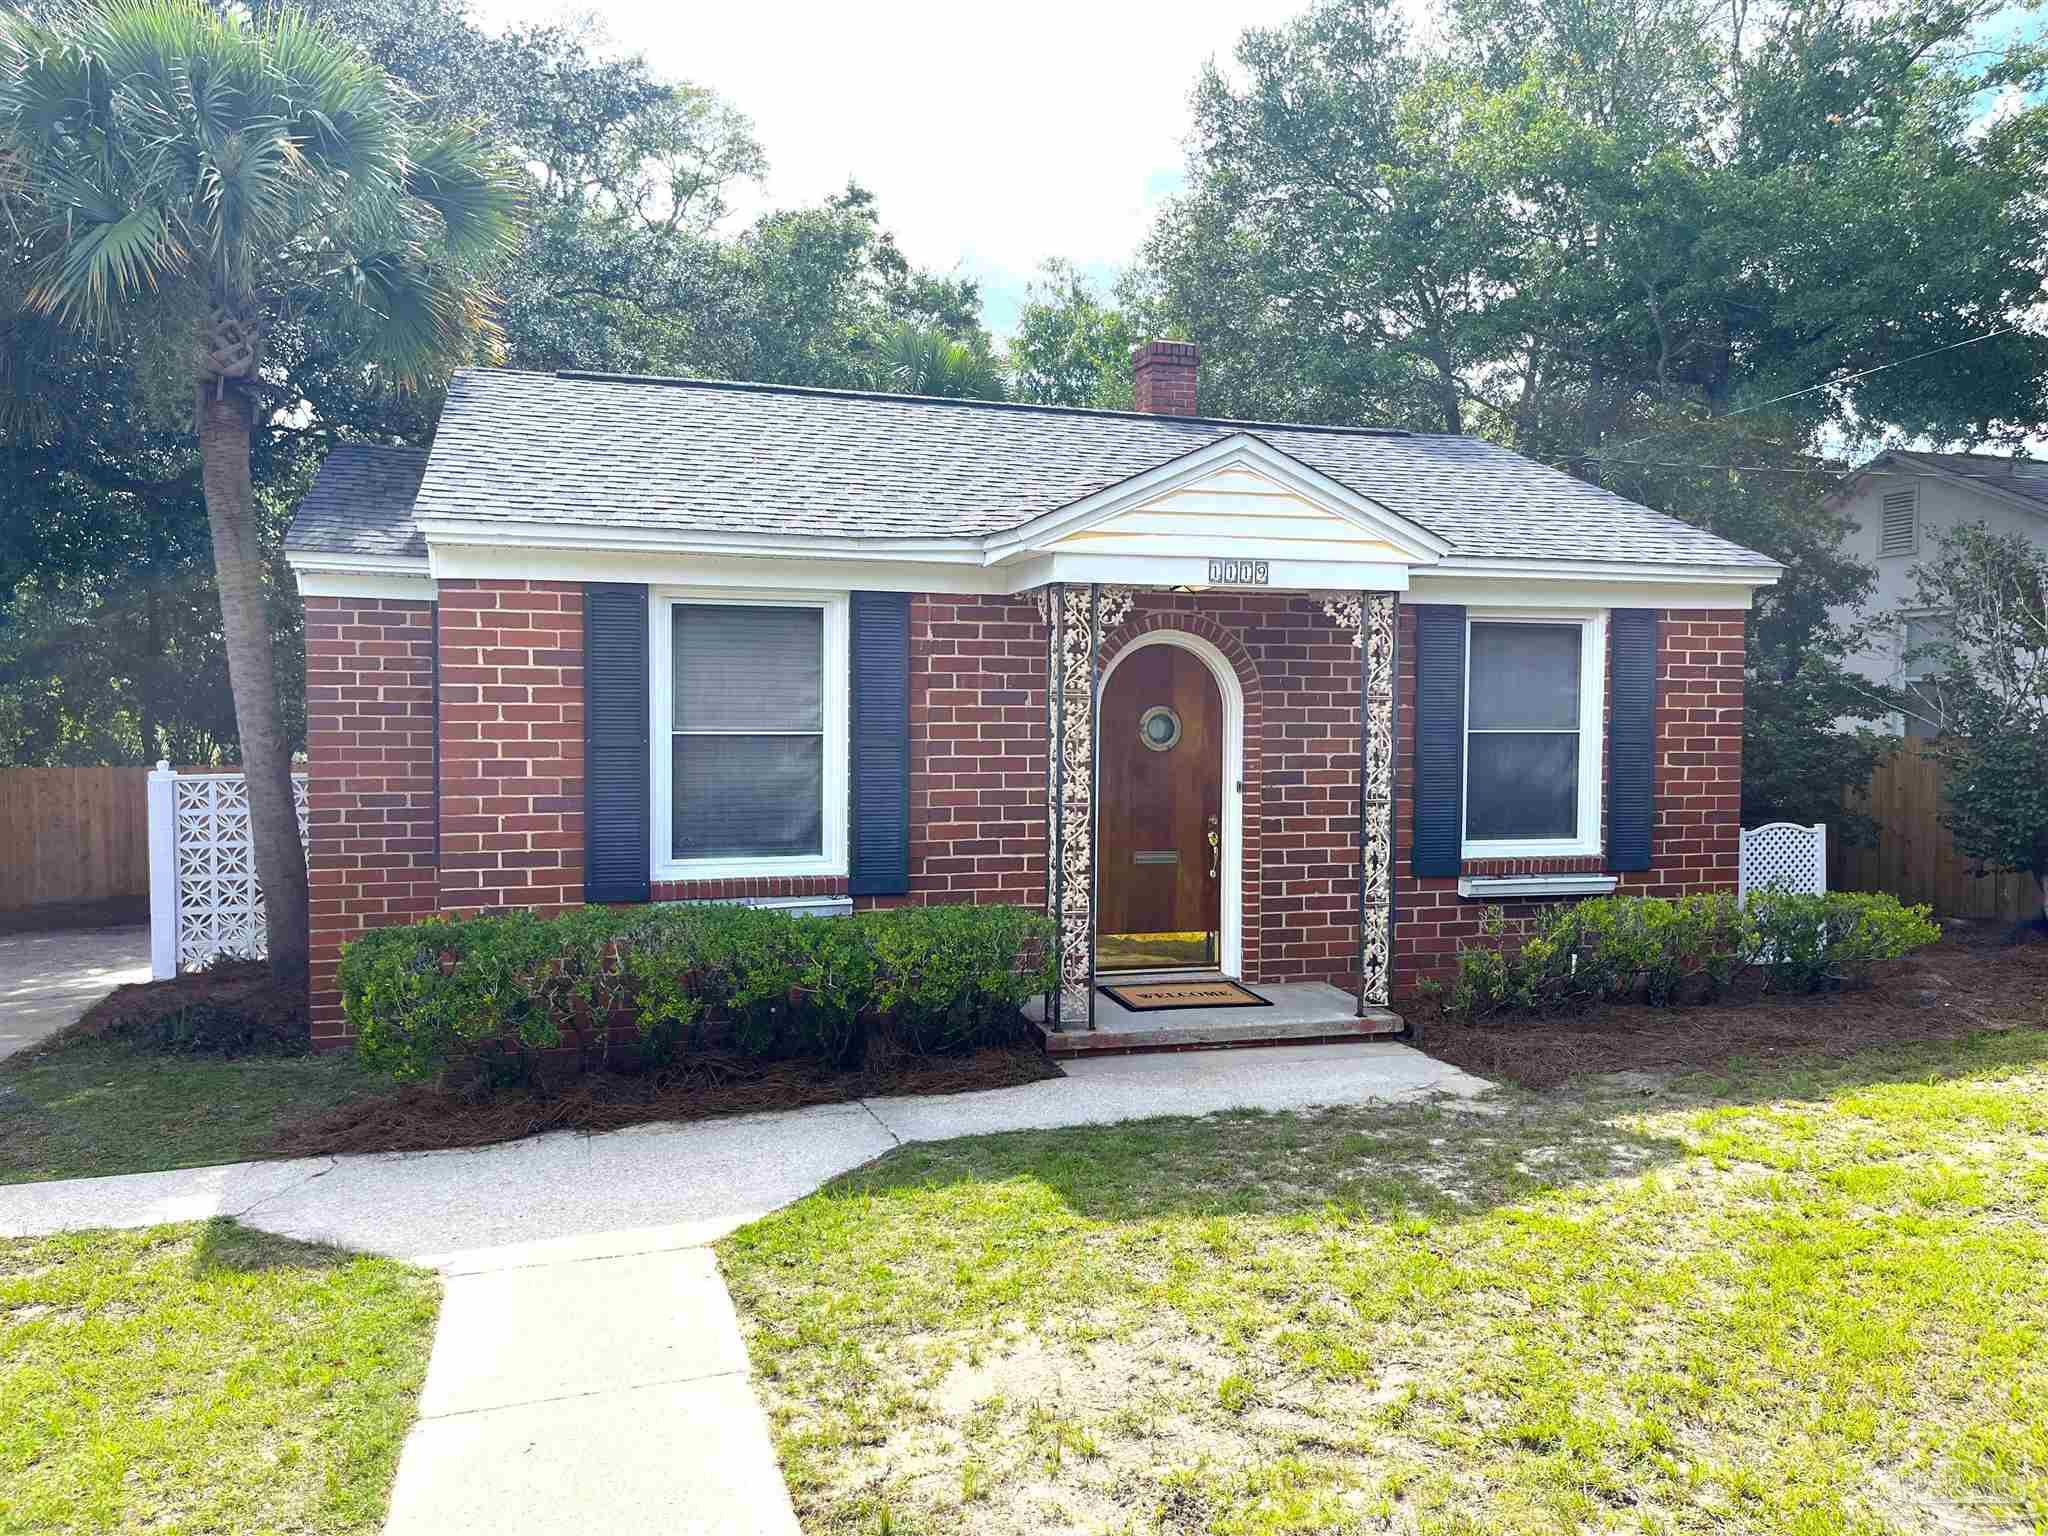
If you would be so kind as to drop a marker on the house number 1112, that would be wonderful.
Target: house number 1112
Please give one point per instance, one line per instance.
(1238, 573)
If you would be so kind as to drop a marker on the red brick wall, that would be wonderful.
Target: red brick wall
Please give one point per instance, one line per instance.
(978, 745)
(369, 778)
(757, 887)
(1299, 675)
(511, 734)
(1694, 843)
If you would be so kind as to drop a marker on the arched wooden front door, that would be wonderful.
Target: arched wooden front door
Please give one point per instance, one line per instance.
(1160, 812)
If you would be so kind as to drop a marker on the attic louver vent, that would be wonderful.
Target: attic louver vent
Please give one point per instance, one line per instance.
(1900, 532)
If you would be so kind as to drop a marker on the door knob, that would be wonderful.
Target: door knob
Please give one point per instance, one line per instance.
(1215, 847)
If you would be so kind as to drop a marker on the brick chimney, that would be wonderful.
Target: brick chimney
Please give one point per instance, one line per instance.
(1163, 377)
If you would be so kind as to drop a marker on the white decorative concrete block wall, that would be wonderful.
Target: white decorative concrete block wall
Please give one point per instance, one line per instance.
(204, 898)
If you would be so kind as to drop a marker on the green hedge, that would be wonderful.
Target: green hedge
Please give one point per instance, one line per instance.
(433, 995)
(1689, 950)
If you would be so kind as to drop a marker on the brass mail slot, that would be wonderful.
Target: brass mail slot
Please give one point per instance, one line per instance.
(1156, 856)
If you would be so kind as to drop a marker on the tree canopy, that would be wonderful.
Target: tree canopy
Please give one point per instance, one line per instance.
(1584, 228)
(1988, 687)
(630, 259)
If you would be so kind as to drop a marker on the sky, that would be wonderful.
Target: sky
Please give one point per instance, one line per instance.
(992, 136)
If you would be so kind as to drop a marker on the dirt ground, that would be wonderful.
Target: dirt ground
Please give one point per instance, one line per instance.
(1976, 978)
(233, 1012)
(700, 1087)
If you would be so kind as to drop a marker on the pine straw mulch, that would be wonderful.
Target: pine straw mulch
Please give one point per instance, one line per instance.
(1977, 978)
(265, 1016)
(421, 1118)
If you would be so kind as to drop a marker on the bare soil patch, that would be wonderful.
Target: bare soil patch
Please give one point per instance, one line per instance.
(702, 1086)
(1977, 978)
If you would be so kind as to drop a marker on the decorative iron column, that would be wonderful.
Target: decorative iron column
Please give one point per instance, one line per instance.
(1370, 616)
(1378, 638)
(1073, 616)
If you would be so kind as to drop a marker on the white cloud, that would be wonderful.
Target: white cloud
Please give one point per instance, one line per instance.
(993, 137)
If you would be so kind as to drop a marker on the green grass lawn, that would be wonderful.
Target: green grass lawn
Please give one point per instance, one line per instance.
(204, 1378)
(94, 1107)
(1804, 1300)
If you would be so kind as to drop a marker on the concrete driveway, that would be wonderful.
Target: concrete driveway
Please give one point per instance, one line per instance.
(48, 979)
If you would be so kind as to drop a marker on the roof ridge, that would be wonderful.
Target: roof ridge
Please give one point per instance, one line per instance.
(1966, 453)
(746, 386)
(356, 442)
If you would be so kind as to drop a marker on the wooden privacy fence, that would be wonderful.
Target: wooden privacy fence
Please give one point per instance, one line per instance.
(1914, 858)
(72, 835)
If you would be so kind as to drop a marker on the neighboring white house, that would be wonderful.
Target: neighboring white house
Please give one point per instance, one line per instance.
(1901, 503)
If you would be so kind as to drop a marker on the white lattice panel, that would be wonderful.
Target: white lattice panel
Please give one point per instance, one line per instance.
(1786, 856)
(220, 901)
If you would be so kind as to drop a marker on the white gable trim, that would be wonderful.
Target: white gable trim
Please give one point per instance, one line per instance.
(396, 576)
(1415, 543)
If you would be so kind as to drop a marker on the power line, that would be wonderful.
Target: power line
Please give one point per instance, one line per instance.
(1754, 469)
(1968, 341)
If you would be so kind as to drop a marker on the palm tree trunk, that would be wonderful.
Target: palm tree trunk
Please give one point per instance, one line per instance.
(152, 666)
(225, 423)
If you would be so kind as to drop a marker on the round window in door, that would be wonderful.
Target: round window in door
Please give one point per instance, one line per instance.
(1159, 728)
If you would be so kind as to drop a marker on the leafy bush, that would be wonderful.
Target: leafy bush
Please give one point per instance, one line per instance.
(1812, 943)
(950, 978)
(635, 987)
(1688, 950)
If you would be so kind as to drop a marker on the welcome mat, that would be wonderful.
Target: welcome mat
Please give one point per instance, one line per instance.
(1158, 996)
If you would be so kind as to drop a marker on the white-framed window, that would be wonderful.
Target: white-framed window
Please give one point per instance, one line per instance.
(1535, 688)
(749, 733)
(1922, 717)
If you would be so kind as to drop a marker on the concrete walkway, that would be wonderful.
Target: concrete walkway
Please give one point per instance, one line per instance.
(588, 1372)
(48, 979)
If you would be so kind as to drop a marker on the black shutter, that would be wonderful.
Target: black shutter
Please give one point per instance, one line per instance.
(617, 825)
(879, 839)
(1631, 737)
(1439, 738)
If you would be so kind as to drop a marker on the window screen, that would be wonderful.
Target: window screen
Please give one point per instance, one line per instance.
(749, 732)
(1522, 732)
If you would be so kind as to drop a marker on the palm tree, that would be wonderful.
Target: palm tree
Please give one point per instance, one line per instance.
(918, 360)
(182, 181)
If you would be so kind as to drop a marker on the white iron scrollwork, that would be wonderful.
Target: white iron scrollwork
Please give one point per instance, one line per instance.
(1376, 854)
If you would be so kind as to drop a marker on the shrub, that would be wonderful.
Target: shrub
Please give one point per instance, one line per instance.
(952, 978)
(1688, 950)
(635, 987)
(1807, 943)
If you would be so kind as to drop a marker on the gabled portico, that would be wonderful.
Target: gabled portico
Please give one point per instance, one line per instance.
(1236, 516)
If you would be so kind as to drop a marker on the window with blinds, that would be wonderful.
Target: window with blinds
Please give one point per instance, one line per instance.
(1523, 720)
(1899, 523)
(748, 771)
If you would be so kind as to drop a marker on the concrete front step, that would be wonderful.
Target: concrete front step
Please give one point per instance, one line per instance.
(1301, 1013)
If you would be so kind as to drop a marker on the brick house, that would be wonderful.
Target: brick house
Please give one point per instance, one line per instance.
(1284, 704)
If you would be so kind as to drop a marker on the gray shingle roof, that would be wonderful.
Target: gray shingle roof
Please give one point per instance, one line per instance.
(2024, 478)
(720, 458)
(361, 504)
